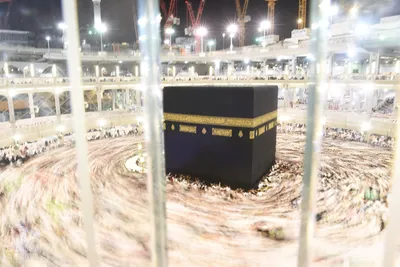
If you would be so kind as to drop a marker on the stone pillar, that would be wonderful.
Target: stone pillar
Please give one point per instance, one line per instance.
(32, 70)
(217, 67)
(11, 113)
(58, 107)
(378, 64)
(127, 97)
(114, 94)
(138, 97)
(331, 58)
(31, 106)
(293, 66)
(99, 93)
(10, 102)
(397, 67)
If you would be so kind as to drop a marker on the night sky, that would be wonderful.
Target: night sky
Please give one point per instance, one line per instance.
(41, 16)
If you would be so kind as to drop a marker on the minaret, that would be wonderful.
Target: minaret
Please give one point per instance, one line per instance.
(97, 12)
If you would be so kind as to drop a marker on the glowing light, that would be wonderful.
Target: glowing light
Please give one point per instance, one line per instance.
(102, 28)
(265, 25)
(140, 146)
(361, 29)
(351, 52)
(299, 21)
(354, 11)
(365, 127)
(12, 93)
(334, 10)
(232, 29)
(211, 43)
(16, 137)
(202, 31)
(48, 38)
(246, 61)
(101, 122)
(60, 128)
(62, 26)
(169, 31)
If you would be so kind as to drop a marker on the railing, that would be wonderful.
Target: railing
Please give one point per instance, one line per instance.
(395, 78)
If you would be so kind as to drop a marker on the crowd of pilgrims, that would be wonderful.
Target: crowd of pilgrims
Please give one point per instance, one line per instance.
(341, 134)
(21, 152)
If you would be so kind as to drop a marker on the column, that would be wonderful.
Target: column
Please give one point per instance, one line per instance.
(136, 71)
(113, 98)
(377, 64)
(58, 108)
(369, 98)
(99, 94)
(31, 105)
(217, 67)
(397, 67)
(138, 97)
(293, 66)
(10, 102)
(32, 70)
(127, 98)
(331, 58)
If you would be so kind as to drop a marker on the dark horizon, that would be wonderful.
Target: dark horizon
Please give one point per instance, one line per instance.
(42, 16)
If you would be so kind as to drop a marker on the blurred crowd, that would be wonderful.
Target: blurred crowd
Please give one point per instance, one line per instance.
(21, 152)
(341, 134)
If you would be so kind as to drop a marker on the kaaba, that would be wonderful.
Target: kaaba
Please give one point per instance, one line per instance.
(221, 135)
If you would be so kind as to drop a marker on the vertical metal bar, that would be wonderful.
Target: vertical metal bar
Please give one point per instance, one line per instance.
(392, 232)
(320, 24)
(149, 40)
(78, 113)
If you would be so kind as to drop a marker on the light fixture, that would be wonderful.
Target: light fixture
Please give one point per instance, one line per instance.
(202, 31)
(232, 29)
(102, 28)
(62, 26)
(169, 31)
(101, 122)
(265, 25)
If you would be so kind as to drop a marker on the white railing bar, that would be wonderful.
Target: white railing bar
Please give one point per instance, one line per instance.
(149, 40)
(319, 41)
(77, 102)
(392, 232)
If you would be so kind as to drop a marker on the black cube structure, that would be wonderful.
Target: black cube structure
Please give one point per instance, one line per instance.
(221, 135)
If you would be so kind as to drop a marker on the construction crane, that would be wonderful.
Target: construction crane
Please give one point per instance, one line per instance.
(194, 21)
(302, 19)
(4, 20)
(170, 16)
(242, 19)
(271, 14)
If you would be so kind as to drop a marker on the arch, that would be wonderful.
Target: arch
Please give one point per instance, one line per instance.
(48, 72)
(13, 72)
